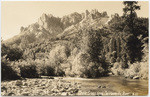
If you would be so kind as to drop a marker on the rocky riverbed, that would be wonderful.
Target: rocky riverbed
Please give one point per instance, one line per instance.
(73, 86)
(38, 87)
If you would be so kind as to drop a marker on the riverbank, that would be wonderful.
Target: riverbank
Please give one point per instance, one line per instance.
(74, 86)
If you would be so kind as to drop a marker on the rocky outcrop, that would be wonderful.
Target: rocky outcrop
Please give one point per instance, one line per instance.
(92, 19)
(50, 23)
(71, 19)
(49, 26)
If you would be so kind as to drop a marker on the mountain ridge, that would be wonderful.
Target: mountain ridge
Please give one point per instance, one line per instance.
(49, 26)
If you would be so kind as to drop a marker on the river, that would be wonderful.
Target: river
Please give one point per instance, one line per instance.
(112, 85)
(57, 86)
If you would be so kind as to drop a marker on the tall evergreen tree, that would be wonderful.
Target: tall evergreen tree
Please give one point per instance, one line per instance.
(130, 12)
(133, 43)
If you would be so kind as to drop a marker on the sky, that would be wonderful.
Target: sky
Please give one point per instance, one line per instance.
(15, 14)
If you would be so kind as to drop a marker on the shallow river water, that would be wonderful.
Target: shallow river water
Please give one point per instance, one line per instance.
(111, 85)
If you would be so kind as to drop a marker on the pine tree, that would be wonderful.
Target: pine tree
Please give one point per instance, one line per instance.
(133, 43)
(130, 12)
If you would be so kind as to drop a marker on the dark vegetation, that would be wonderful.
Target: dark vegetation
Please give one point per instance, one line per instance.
(120, 47)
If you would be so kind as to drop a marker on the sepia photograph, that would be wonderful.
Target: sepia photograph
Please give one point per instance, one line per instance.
(74, 48)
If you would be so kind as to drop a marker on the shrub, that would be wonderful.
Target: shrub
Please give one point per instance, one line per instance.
(144, 70)
(93, 70)
(79, 63)
(8, 73)
(59, 71)
(139, 69)
(132, 71)
(117, 68)
(46, 70)
(44, 67)
(28, 69)
(12, 54)
(58, 55)
(35, 68)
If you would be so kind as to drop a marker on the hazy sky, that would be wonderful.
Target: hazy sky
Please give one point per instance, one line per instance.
(15, 14)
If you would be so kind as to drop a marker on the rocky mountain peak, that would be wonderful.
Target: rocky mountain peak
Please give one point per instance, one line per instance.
(50, 23)
(88, 19)
(71, 19)
(87, 13)
(49, 26)
(94, 14)
(44, 17)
